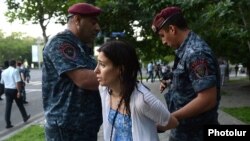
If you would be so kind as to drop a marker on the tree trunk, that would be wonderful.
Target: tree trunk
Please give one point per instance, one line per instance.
(245, 23)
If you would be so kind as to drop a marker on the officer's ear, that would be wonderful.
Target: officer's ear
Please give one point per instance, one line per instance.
(172, 29)
(77, 19)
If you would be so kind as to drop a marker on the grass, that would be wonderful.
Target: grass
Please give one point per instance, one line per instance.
(223, 92)
(243, 79)
(241, 113)
(31, 133)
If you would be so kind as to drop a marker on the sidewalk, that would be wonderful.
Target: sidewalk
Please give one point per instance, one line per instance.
(238, 94)
(234, 94)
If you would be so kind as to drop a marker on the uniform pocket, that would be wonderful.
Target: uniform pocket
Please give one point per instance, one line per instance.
(179, 79)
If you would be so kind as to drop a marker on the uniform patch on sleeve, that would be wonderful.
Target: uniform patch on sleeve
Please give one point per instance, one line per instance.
(200, 68)
(68, 51)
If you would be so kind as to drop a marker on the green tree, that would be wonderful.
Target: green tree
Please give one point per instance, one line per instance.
(16, 46)
(224, 24)
(41, 12)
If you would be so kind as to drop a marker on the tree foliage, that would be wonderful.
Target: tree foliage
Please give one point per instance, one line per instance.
(41, 12)
(224, 24)
(16, 46)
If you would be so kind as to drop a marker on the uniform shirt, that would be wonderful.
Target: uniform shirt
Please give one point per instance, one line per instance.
(196, 71)
(10, 77)
(65, 104)
(146, 112)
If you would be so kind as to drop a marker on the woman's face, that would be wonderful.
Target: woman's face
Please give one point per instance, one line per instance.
(107, 74)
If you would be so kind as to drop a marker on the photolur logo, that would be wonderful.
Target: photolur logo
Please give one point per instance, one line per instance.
(235, 132)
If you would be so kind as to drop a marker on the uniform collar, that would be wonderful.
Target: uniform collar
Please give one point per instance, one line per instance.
(180, 51)
(83, 47)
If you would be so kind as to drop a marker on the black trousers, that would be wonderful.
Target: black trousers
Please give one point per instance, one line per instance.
(23, 92)
(11, 95)
(1, 90)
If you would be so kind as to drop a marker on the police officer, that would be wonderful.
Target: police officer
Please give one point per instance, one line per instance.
(71, 100)
(194, 89)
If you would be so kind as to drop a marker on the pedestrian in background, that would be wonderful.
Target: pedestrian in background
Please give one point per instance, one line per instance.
(12, 84)
(150, 71)
(130, 111)
(27, 74)
(21, 71)
(157, 69)
(71, 99)
(194, 89)
(236, 68)
(1, 86)
(223, 68)
(5, 66)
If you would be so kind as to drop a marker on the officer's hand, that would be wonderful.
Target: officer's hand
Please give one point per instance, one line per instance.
(163, 85)
(18, 95)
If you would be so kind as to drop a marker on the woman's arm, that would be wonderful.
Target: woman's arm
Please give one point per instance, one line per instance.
(172, 123)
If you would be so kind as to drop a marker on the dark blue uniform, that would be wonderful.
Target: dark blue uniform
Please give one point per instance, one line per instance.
(72, 114)
(197, 70)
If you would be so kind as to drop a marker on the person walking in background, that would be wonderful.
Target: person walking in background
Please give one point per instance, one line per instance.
(236, 68)
(71, 100)
(1, 86)
(12, 84)
(21, 70)
(157, 69)
(130, 111)
(5, 66)
(194, 89)
(27, 74)
(223, 68)
(163, 69)
(150, 69)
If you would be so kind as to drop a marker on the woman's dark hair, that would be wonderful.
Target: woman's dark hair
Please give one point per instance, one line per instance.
(123, 55)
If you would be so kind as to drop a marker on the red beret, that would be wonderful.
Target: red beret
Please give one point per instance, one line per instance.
(162, 17)
(84, 9)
